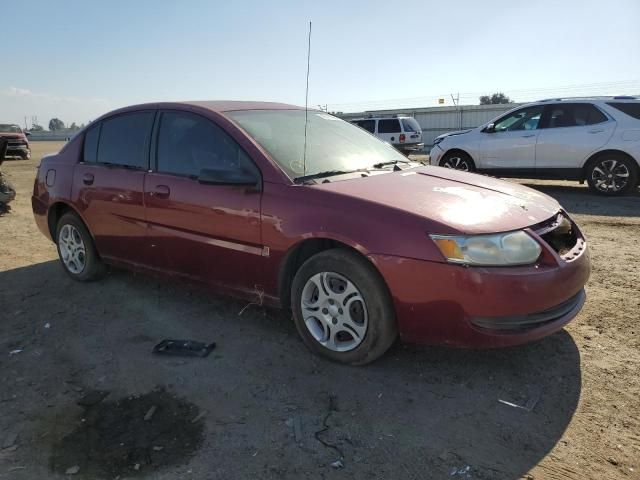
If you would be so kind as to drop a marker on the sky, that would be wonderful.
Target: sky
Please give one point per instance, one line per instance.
(76, 59)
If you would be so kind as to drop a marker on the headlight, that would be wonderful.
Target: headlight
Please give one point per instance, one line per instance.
(514, 248)
(438, 140)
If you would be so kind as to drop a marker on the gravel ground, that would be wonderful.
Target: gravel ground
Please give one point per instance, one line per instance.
(262, 406)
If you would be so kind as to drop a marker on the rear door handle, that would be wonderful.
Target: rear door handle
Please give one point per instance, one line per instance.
(87, 178)
(161, 191)
(529, 135)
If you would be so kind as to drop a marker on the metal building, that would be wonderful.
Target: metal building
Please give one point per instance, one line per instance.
(438, 120)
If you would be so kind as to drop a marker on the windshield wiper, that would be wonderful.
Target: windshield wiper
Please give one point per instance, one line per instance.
(327, 173)
(392, 162)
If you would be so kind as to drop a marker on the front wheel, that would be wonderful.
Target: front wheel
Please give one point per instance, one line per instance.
(76, 250)
(457, 161)
(612, 174)
(342, 307)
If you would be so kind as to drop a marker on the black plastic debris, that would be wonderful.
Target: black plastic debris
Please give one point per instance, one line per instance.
(184, 348)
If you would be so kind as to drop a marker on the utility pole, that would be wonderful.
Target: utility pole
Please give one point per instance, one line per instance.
(456, 103)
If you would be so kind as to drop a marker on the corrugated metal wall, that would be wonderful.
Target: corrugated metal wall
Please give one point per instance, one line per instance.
(438, 120)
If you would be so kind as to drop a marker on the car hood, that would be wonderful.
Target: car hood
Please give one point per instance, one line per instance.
(463, 202)
(451, 134)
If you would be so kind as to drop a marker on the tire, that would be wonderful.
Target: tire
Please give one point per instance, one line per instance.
(457, 161)
(612, 174)
(367, 316)
(7, 191)
(71, 235)
(25, 156)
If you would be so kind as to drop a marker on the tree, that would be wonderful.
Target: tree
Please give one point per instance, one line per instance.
(73, 126)
(36, 128)
(494, 99)
(56, 124)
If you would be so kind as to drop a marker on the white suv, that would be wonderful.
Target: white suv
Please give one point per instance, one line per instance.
(592, 139)
(404, 133)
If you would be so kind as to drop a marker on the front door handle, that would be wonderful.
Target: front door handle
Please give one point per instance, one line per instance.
(161, 191)
(529, 135)
(87, 178)
(597, 130)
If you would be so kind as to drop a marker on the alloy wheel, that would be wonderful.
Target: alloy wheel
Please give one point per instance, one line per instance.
(456, 163)
(334, 311)
(610, 176)
(72, 249)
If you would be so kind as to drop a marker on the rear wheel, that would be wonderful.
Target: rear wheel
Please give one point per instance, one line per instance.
(76, 250)
(342, 307)
(457, 161)
(612, 174)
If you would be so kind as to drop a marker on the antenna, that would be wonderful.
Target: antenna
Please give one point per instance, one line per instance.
(306, 107)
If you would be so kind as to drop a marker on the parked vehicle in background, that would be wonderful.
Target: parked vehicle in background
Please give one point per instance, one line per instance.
(592, 139)
(18, 143)
(404, 133)
(7, 192)
(219, 192)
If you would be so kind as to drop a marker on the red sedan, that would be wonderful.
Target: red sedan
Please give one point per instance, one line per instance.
(308, 212)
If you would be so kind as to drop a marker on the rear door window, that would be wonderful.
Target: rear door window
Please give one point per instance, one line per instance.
(631, 109)
(572, 115)
(124, 140)
(368, 125)
(391, 125)
(189, 143)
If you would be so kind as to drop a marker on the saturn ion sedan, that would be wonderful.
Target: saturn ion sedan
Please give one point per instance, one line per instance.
(305, 211)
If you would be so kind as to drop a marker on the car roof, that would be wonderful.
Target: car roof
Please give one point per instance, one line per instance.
(591, 99)
(235, 105)
(381, 117)
(219, 106)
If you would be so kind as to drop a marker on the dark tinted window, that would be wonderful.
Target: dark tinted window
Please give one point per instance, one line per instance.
(631, 109)
(523, 119)
(369, 125)
(124, 139)
(573, 115)
(389, 126)
(91, 144)
(188, 143)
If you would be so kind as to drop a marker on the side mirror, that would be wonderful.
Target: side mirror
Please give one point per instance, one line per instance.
(28, 134)
(490, 128)
(239, 178)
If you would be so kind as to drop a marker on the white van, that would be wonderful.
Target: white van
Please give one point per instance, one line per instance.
(403, 132)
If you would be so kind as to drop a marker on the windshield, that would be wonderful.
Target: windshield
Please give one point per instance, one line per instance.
(5, 128)
(332, 144)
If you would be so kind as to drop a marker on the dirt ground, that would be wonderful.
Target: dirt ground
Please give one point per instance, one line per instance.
(262, 406)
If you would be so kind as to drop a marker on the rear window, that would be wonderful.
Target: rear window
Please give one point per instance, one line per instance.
(631, 109)
(124, 139)
(411, 125)
(389, 126)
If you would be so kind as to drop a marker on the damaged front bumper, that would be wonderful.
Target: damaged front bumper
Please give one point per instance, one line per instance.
(444, 304)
